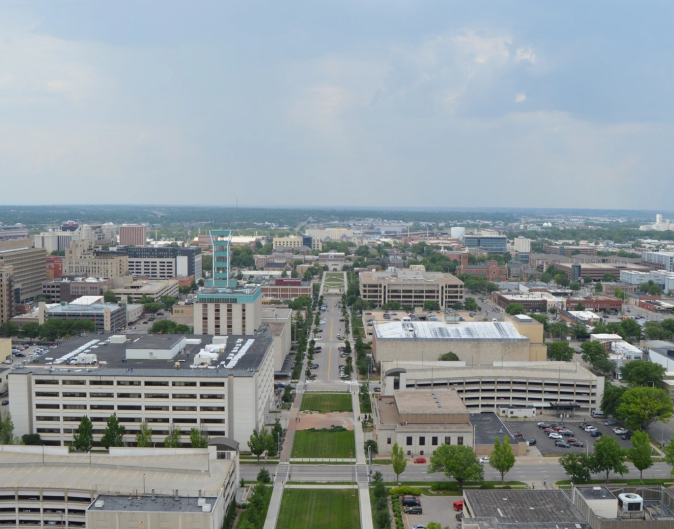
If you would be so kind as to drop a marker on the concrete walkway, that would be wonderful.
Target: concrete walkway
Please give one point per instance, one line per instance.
(276, 496)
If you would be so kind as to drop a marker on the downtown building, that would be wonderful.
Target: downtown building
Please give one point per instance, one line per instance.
(29, 268)
(133, 235)
(220, 385)
(163, 262)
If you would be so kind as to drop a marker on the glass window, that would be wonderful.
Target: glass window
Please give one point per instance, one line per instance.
(448, 440)
(434, 441)
(422, 441)
(459, 440)
(388, 441)
(409, 441)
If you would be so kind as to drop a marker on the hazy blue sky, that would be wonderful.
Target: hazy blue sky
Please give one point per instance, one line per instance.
(366, 103)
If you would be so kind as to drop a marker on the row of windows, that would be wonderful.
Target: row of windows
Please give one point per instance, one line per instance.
(147, 383)
(151, 420)
(128, 431)
(409, 441)
(120, 407)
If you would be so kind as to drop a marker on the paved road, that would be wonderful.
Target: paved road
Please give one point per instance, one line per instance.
(329, 359)
(533, 470)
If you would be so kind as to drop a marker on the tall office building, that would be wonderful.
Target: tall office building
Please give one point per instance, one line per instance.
(133, 235)
(164, 262)
(488, 243)
(221, 307)
(6, 289)
(82, 259)
(16, 231)
(53, 241)
(29, 267)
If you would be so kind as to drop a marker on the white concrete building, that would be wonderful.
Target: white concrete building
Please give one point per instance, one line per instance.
(659, 260)
(522, 245)
(661, 278)
(53, 241)
(660, 224)
(127, 487)
(551, 387)
(223, 385)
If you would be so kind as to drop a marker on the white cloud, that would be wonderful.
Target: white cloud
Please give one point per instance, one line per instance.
(483, 48)
(526, 54)
(520, 97)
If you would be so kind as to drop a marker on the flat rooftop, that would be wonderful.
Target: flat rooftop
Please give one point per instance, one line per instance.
(426, 401)
(149, 503)
(488, 426)
(438, 330)
(188, 473)
(523, 506)
(408, 276)
(112, 359)
(597, 492)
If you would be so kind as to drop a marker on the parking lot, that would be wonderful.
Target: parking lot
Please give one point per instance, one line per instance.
(547, 446)
(435, 509)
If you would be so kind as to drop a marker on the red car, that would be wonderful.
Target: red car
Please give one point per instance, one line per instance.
(571, 440)
(548, 430)
(420, 460)
(559, 428)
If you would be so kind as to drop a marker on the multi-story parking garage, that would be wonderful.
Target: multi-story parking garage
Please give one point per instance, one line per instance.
(553, 386)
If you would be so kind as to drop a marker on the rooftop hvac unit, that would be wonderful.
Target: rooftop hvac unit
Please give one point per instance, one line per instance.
(630, 502)
(206, 507)
(99, 504)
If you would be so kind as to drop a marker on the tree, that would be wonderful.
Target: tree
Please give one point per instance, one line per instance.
(598, 288)
(574, 286)
(458, 462)
(113, 435)
(32, 439)
(640, 453)
(263, 476)
(515, 308)
(558, 329)
(611, 399)
(9, 329)
(593, 351)
(199, 438)
(372, 445)
(449, 357)
(6, 429)
(109, 296)
(577, 466)
(502, 458)
(669, 455)
(168, 301)
(609, 278)
(639, 407)
(144, 435)
(172, 440)
(151, 307)
(431, 305)
(471, 304)
(30, 330)
(391, 305)
(398, 460)
(83, 440)
(579, 330)
(640, 373)
(457, 306)
(609, 457)
(631, 328)
(580, 307)
(259, 441)
(560, 351)
(619, 293)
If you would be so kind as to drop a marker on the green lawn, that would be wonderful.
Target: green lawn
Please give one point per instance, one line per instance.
(319, 509)
(327, 402)
(326, 445)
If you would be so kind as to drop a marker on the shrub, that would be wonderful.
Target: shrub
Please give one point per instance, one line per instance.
(487, 486)
(445, 485)
(405, 490)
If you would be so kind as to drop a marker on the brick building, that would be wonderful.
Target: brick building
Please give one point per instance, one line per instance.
(54, 267)
(286, 288)
(490, 270)
(597, 303)
(570, 250)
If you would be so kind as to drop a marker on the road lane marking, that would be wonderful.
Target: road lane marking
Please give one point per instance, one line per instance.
(332, 323)
(329, 361)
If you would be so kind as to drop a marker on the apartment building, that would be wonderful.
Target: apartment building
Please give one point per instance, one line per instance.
(658, 260)
(155, 290)
(53, 241)
(296, 241)
(221, 385)
(151, 487)
(660, 277)
(228, 310)
(596, 271)
(54, 267)
(550, 387)
(490, 270)
(286, 289)
(410, 287)
(164, 262)
(133, 235)
(522, 245)
(82, 259)
(6, 293)
(29, 267)
(100, 234)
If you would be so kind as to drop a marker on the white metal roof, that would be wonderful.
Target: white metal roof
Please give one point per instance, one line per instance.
(436, 330)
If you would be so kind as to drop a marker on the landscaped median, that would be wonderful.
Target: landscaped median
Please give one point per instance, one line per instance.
(319, 509)
(327, 443)
(327, 402)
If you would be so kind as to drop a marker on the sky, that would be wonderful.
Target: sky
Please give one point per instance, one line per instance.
(378, 103)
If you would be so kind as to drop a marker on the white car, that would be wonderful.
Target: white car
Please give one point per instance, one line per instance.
(590, 429)
(555, 435)
(484, 460)
(621, 431)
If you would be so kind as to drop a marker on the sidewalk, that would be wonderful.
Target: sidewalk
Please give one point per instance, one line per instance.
(276, 496)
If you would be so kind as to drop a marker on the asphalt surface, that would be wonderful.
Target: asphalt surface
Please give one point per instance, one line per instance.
(328, 359)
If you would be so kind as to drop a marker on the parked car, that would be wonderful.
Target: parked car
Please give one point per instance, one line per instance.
(559, 428)
(567, 433)
(410, 501)
(420, 460)
(314, 366)
(458, 505)
(627, 436)
(555, 435)
(413, 510)
(377, 389)
(563, 445)
(609, 423)
(531, 442)
(584, 425)
(484, 460)
(571, 440)
(595, 433)
(577, 444)
(5, 402)
(341, 319)
(543, 425)
(590, 429)
(621, 431)
(549, 430)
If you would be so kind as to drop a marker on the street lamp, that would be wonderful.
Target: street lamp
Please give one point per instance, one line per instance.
(143, 483)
